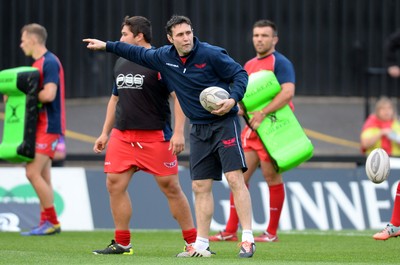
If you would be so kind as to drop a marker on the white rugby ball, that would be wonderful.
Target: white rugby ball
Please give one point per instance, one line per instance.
(377, 165)
(210, 96)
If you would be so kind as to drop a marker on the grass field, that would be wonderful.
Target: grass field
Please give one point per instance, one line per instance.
(160, 247)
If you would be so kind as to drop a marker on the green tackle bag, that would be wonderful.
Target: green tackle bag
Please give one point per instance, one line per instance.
(280, 131)
(20, 85)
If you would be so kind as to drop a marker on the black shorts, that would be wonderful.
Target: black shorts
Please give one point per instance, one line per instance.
(216, 148)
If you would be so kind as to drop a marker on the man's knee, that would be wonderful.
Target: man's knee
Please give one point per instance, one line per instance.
(235, 179)
(201, 186)
(115, 184)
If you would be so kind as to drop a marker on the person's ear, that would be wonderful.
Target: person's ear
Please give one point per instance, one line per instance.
(275, 41)
(140, 35)
(171, 40)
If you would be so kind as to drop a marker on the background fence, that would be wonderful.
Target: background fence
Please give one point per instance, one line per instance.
(331, 42)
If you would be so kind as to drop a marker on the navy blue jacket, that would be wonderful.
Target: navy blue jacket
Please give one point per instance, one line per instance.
(206, 66)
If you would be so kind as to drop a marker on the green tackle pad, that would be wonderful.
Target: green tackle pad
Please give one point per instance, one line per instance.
(20, 85)
(280, 131)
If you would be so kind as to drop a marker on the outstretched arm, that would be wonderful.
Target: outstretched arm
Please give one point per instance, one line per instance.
(95, 44)
(137, 54)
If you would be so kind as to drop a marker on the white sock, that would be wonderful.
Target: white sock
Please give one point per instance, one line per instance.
(201, 243)
(125, 247)
(247, 235)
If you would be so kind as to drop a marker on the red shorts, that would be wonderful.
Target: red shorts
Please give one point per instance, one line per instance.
(46, 143)
(251, 142)
(151, 157)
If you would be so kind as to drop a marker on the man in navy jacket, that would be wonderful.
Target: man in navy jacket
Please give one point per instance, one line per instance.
(188, 66)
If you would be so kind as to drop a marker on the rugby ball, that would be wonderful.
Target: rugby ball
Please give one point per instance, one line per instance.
(210, 96)
(377, 165)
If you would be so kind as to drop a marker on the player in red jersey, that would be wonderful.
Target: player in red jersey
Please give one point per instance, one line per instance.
(265, 38)
(50, 124)
(138, 118)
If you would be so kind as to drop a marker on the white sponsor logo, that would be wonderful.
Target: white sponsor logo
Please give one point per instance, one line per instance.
(170, 164)
(130, 81)
(173, 65)
(9, 222)
(323, 205)
(70, 186)
(41, 146)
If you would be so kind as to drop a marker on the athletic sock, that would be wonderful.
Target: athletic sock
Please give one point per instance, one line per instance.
(247, 235)
(123, 237)
(276, 199)
(201, 243)
(233, 221)
(43, 218)
(51, 215)
(189, 235)
(395, 220)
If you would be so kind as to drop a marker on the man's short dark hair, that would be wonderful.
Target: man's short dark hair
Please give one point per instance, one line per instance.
(138, 24)
(176, 20)
(266, 23)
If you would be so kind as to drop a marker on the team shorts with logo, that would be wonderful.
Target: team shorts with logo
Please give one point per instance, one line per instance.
(46, 143)
(251, 142)
(216, 148)
(151, 157)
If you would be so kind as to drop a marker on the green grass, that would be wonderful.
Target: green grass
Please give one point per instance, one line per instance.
(160, 247)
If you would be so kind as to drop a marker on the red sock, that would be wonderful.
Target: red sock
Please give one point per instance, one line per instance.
(276, 199)
(233, 222)
(396, 208)
(123, 237)
(43, 217)
(189, 235)
(51, 215)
